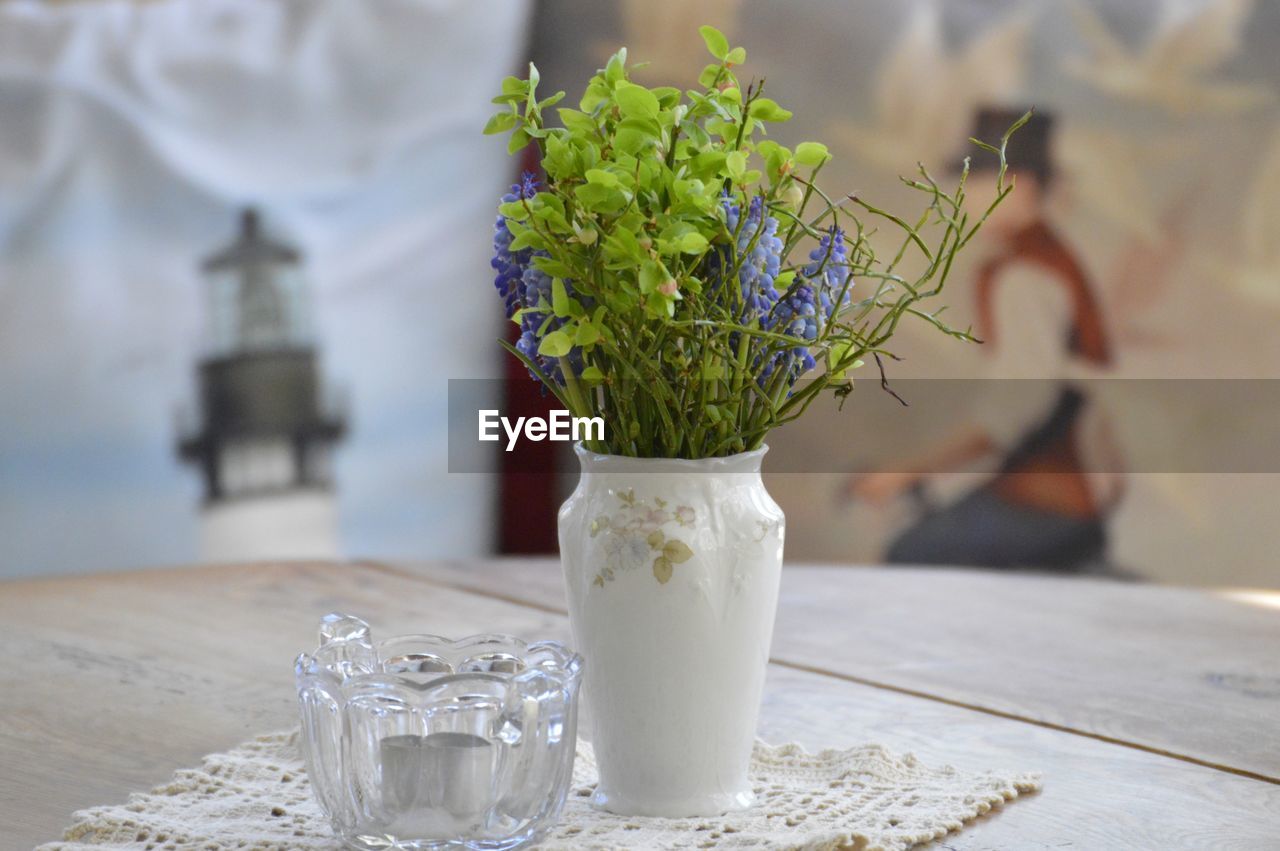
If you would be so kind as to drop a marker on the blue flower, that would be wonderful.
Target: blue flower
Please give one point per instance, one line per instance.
(829, 276)
(759, 264)
(796, 315)
(805, 309)
(524, 287)
(510, 265)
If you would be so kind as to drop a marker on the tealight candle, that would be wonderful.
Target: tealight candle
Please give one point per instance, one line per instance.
(459, 769)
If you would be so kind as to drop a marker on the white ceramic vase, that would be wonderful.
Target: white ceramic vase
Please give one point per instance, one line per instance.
(672, 568)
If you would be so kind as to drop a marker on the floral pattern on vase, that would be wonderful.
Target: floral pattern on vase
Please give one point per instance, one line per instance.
(638, 534)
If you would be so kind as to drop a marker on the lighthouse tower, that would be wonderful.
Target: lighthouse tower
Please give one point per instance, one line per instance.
(265, 431)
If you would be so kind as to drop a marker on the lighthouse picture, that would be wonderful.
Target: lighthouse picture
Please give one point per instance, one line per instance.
(266, 426)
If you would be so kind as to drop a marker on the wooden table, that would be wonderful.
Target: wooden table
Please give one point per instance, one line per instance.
(1154, 713)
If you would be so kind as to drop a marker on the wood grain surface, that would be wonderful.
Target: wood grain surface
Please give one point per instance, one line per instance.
(1174, 670)
(112, 682)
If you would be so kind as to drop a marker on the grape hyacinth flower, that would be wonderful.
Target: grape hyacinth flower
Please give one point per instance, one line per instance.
(535, 288)
(525, 287)
(510, 266)
(759, 264)
(829, 278)
(797, 316)
(805, 309)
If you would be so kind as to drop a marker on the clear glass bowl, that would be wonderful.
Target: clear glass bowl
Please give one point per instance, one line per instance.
(418, 742)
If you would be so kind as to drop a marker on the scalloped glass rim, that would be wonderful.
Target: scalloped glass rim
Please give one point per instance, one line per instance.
(564, 665)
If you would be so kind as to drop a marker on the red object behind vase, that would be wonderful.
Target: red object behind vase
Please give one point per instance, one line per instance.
(527, 498)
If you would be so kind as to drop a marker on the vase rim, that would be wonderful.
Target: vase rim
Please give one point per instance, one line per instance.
(598, 462)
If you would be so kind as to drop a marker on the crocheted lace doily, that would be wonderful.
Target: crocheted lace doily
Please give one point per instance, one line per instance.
(256, 798)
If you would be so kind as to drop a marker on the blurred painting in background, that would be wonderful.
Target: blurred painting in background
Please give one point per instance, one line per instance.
(263, 435)
(1164, 153)
(133, 136)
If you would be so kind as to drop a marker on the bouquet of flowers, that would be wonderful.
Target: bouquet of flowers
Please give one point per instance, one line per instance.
(676, 273)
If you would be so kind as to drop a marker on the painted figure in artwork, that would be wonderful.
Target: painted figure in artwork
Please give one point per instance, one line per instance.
(1057, 478)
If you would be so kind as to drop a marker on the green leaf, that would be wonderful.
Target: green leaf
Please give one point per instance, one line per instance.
(693, 243)
(668, 96)
(549, 209)
(513, 210)
(736, 56)
(617, 68)
(559, 298)
(736, 164)
(529, 238)
(622, 244)
(576, 121)
(716, 43)
(651, 276)
(600, 199)
(708, 163)
(602, 177)
(586, 334)
(655, 539)
(592, 375)
(545, 103)
(636, 134)
(838, 352)
(776, 158)
(557, 344)
(635, 101)
(726, 130)
(554, 268)
(812, 153)
(587, 152)
(501, 122)
(597, 92)
(559, 158)
(765, 109)
(546, 201)
(517, 142)
(675, 230)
